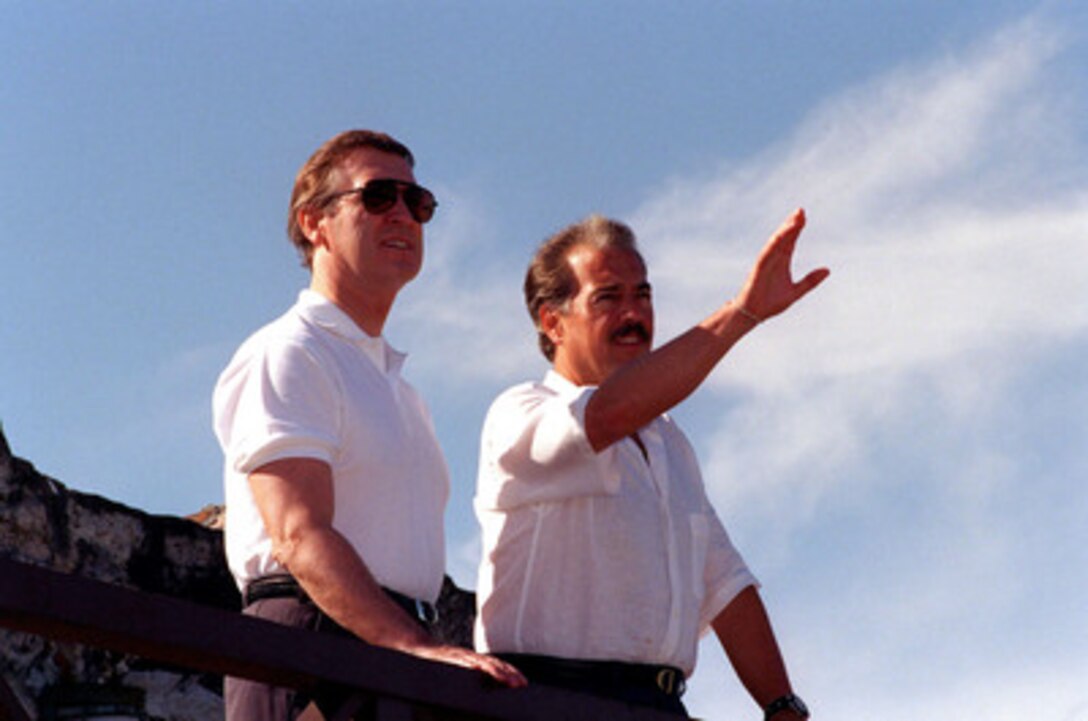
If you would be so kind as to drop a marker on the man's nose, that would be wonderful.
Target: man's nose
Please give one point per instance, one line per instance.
(634, 307)
(400, 208)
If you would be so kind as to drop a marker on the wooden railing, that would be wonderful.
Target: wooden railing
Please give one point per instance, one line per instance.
(201, 638)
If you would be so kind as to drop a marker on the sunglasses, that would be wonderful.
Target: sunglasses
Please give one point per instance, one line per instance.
(379, 196)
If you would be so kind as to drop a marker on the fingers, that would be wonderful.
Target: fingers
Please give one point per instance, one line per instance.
(503, 672)
(770, 288)
(812, 280)
(494, 667)
(779, 248)
(790, 230)
(796, 221)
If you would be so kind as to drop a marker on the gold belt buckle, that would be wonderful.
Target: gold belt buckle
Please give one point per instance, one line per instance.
(666, 681)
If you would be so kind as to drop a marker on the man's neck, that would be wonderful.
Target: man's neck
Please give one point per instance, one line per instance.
(572, 373)
(367, 311)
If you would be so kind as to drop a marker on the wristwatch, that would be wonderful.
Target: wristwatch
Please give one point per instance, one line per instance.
(789, 702)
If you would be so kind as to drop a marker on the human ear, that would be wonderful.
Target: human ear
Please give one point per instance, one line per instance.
(551, 324)
(311, 222)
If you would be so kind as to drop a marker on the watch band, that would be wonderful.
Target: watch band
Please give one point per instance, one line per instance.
(789, 702)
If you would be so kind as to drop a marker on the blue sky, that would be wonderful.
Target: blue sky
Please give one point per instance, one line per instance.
(901, 459)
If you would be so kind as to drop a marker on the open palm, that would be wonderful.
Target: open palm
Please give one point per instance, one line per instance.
(770, 288)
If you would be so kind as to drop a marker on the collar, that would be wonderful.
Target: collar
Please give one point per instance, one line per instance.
(323, 313)
(560, 384)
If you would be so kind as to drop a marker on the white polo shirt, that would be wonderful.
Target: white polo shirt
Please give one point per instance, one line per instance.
(595, 556)
(312, 384)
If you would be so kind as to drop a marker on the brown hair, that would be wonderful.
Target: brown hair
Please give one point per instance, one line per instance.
(550, 280)
(315, 179)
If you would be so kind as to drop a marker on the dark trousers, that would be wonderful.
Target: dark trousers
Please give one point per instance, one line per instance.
(658, 687)
(247, 700)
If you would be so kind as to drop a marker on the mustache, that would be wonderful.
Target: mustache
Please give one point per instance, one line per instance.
(633, 326)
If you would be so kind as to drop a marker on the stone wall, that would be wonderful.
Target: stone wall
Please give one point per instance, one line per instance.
(47, 524)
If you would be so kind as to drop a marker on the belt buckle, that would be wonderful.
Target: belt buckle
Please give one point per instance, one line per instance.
(668, 682)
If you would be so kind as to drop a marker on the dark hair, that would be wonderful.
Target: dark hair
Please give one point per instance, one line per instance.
(550, 279)
(315, 179)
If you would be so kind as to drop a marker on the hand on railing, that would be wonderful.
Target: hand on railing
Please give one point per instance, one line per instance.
(496, 668)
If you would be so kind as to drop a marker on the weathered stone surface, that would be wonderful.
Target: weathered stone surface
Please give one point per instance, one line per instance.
(44, 523)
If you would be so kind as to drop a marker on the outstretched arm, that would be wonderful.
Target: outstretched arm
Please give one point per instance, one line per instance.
(295, 498)
(648, 386)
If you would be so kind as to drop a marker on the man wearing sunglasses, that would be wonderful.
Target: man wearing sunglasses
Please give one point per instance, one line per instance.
(335, 483)
(603, 560)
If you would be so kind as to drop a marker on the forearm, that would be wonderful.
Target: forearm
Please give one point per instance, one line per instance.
(746, 635)
(648, 386)
(338, 581)
(645, 388)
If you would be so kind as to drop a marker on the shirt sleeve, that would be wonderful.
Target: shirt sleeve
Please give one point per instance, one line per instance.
(279, 402)
(534, 450)
(725, 573)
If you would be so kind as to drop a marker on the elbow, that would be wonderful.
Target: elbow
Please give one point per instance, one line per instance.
(283, 551)
(287, 546)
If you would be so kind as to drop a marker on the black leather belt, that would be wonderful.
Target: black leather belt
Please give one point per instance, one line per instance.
(284, 586)
(605, 675)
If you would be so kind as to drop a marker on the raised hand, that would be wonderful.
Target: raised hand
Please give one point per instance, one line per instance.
(770, 288)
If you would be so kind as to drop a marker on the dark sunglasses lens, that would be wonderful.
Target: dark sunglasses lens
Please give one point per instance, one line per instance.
(420, 203)
(379, 196)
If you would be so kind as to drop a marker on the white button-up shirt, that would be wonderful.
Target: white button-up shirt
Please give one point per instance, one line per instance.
(605, 556)
(312, 384)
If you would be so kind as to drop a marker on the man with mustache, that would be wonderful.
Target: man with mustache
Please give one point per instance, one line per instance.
(335, 483)
(603, 560)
